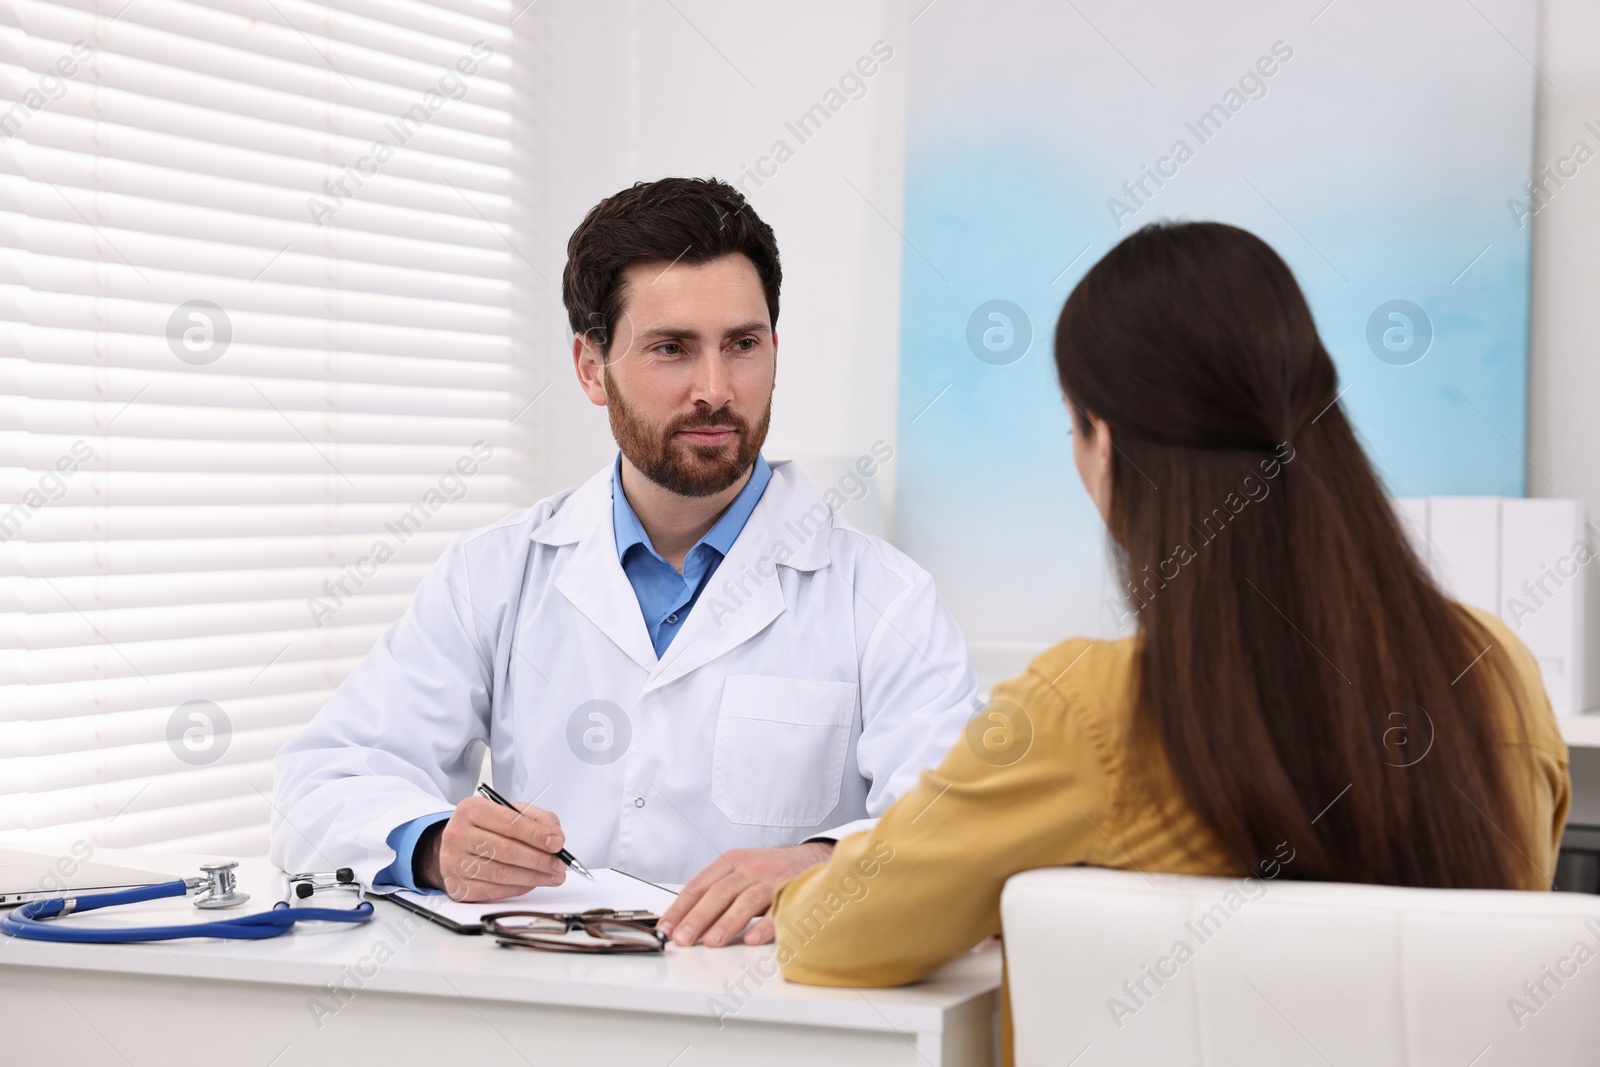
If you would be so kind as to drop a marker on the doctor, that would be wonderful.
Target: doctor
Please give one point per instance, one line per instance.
(690, 667)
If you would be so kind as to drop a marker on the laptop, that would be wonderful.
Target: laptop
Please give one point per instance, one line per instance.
(26, 876)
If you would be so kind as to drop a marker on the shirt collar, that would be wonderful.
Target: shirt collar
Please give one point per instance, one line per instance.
(723, 533)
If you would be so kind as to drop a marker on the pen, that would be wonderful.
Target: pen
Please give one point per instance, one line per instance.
(564, 856)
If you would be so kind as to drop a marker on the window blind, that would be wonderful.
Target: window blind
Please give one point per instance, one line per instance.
(255, 277)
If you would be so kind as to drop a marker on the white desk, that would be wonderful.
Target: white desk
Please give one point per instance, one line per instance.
(1580, 731)
(447, 998)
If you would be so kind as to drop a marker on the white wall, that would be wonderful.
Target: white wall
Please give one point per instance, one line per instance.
(1564, 432)
(617, 91)
(1564, 356)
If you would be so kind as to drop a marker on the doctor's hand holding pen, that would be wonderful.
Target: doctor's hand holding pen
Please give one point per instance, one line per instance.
(489, 851)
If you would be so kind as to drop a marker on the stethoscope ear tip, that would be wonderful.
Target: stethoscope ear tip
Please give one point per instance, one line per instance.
(307, 884)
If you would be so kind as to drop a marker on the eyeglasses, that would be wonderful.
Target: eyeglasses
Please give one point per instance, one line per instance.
(598, 932)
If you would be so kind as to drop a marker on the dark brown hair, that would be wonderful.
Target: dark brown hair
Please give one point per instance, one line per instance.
(682, 220)
(1302, 675)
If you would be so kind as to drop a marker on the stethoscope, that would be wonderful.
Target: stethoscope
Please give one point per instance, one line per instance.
(218, 889)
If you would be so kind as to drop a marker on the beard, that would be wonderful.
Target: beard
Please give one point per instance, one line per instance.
(677, 465)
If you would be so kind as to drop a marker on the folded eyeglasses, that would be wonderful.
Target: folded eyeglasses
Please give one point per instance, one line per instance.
(599, 931)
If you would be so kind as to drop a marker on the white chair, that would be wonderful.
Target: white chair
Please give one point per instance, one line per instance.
(1113, 967)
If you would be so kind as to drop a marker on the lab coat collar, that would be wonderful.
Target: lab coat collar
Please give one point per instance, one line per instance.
(790, 527)
(792, 513)
(593, 581)
(576, 517)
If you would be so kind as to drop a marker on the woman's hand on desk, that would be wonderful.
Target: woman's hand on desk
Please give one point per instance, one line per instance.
(738, 886)
(487, 852)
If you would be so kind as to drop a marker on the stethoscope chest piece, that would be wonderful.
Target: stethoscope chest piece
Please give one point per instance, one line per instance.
(222, 891)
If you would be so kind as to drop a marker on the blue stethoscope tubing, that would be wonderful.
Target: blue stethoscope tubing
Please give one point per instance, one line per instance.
(32, 920)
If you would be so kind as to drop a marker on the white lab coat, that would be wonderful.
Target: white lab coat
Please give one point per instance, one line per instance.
(815, 678)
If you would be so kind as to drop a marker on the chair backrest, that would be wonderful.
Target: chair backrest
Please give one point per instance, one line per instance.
(1118, 967)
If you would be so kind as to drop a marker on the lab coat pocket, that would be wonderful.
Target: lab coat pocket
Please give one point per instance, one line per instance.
(779, 754)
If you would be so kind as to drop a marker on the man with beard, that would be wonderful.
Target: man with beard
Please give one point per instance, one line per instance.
(690, 667)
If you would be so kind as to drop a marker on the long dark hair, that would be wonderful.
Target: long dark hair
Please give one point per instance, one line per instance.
(1303, 677)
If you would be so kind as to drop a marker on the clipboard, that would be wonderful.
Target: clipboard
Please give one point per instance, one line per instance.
(618, 890)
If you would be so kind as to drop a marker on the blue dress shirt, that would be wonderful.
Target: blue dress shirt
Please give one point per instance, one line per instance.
(665, 599)
(665, 596)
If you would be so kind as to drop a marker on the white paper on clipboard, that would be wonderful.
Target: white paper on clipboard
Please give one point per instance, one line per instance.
(610, 889)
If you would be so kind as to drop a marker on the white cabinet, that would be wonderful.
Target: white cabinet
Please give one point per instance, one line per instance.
(1526, 560)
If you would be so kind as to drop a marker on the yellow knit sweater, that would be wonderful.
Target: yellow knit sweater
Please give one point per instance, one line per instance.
(923, 886)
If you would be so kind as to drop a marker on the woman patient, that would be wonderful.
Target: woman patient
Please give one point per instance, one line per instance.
(1299, 700)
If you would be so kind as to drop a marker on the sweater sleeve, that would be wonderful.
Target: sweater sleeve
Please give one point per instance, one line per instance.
(1026, 786)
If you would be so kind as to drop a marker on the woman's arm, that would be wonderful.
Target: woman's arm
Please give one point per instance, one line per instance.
(923, 886)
